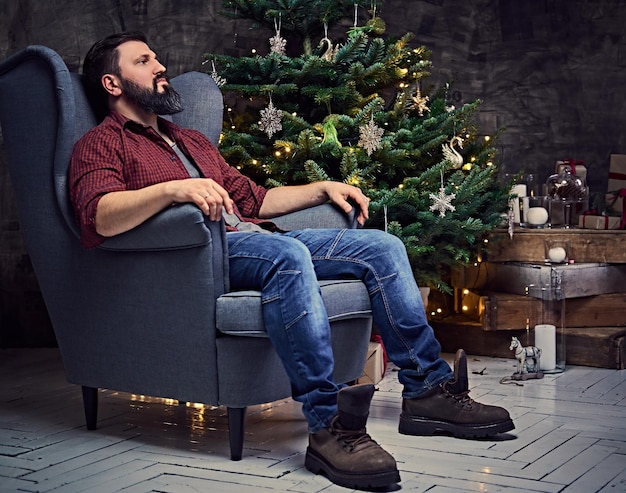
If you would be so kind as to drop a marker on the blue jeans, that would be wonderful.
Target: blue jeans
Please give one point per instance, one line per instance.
(285, 268)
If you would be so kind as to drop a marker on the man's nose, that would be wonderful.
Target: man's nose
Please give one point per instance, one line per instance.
(160, 68)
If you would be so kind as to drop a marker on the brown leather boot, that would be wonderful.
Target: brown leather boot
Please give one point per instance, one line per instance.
(449, 409)
(344, 452)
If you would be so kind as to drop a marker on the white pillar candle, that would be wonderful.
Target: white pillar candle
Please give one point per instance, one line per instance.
(545, 339)
(520, 191)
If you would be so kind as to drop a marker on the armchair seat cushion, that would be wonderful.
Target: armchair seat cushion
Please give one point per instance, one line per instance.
(239, 312)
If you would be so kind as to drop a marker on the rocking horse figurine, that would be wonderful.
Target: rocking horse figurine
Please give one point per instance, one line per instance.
(528, 359)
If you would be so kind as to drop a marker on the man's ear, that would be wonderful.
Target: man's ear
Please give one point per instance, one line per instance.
(111, 84)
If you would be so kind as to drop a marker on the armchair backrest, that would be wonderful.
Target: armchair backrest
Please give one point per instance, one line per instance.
(93, 296)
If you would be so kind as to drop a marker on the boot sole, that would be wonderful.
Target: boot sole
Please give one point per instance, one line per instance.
(318, 465)
(412, 425)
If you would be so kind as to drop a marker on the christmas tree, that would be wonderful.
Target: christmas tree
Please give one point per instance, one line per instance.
(357, 109)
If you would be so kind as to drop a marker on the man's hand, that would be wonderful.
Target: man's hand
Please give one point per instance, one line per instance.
(121, 211)
(341, 193)
(282, 200)
(208, 195)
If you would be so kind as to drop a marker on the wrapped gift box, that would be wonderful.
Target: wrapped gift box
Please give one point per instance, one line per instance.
(589, 221)
(617, 181)
(374, 364)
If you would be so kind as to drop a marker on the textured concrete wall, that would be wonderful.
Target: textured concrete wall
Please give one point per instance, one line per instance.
(550, 71)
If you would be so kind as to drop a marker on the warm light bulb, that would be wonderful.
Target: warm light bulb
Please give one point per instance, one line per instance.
(466, 291)
(277, 154)
(465, 308)
(487, 138)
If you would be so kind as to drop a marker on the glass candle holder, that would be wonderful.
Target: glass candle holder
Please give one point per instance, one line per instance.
(547, 326)
(534, 211)
(557, 251)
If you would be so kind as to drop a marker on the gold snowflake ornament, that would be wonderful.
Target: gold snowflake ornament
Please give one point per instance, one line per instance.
(419, 102)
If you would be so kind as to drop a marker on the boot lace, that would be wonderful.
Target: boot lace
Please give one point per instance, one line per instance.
(350, 438)
(462, 398)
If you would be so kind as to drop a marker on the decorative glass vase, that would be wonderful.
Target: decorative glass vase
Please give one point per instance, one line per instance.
(568, 197)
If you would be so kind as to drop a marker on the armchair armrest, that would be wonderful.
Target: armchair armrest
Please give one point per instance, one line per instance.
(177, 227)
(321, 216)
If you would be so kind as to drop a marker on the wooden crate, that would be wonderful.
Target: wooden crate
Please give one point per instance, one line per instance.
(601, 347)
(586, 245)
(502, 311)
(567, 280)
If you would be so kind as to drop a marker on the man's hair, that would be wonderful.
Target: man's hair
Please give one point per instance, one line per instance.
(103, 58)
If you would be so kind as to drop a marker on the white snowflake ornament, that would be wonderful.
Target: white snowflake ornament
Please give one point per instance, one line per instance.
(278, 44)
(442, 202)
(370, 136)
(271, 120)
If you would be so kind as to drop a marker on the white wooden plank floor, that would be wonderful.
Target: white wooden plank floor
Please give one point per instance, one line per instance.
(570, 436)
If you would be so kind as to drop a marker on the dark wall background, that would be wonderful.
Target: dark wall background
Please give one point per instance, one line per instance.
(550, 71)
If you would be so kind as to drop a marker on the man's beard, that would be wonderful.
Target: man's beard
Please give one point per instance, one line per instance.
(167, 102)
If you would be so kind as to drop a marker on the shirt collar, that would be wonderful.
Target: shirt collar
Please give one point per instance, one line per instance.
(124, 121)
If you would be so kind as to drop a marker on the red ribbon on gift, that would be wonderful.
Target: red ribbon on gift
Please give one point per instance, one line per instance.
(572, 163)
(620, 193)
(617, 176)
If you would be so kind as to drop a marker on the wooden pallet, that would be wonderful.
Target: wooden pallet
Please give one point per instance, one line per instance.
(502, 311)
(563, 281)
(600, 347)
(586, 245)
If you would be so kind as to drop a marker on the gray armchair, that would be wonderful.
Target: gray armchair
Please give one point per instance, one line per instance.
(150, 311)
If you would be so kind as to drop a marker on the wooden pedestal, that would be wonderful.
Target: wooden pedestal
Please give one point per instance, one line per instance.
(601, 347)
(492, 301)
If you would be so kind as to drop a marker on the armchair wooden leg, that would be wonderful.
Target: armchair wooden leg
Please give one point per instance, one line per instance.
(90, 403)
(236, 422)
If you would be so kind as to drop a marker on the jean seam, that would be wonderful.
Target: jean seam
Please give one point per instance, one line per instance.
(380, 289)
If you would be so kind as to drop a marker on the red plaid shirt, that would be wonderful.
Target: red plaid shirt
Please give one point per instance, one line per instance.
(120, 154)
